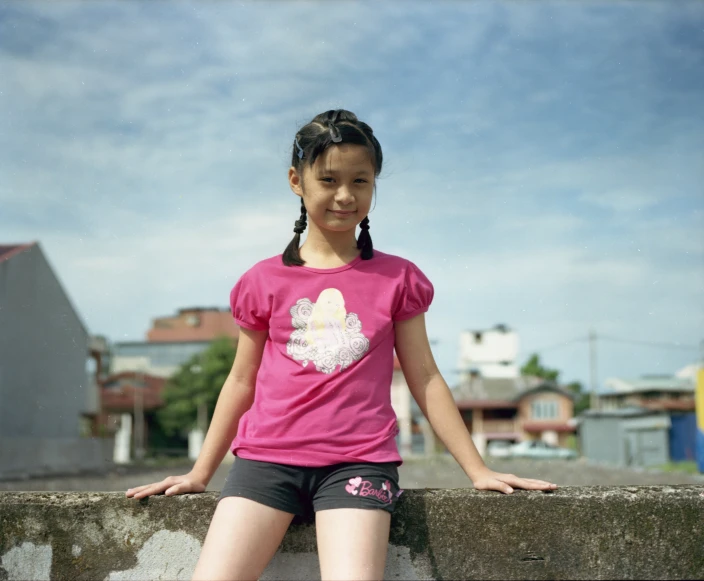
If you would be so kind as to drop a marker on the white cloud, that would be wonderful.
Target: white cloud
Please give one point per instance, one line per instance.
(540, 181)
(622, 200)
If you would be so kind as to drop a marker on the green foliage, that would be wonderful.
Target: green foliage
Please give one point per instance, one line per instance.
(199, 380)
(686, 466)
(534, 368)
(571, 442)
(582, 399)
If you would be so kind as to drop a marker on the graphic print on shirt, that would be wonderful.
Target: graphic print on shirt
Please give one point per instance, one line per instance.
(325, 333)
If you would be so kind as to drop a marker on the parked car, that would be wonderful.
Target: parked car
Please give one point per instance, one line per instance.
(499, 449)
(540, 449)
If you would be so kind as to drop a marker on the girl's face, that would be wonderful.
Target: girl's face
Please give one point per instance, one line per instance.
(331, 301)
(338, 189)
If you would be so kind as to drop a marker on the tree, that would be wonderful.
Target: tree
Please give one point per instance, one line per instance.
(582, 400)
(197, 381)
(534, 368)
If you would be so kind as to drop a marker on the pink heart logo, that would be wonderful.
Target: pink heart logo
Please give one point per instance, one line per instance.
(353, 484)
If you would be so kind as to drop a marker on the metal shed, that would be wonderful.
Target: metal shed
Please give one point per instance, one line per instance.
(625, 437)
(683, 435)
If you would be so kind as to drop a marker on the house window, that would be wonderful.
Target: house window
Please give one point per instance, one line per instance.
(544, 410)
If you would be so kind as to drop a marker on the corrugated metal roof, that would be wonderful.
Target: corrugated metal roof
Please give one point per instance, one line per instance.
(623, 386)
(488, 388)
(623, 412)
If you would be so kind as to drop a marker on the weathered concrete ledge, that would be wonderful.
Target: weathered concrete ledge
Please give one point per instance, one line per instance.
(635, 532)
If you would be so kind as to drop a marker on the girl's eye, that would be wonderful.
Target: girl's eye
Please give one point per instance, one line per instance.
(361, 180)
(326, 180)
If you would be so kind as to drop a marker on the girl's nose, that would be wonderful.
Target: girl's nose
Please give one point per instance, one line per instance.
(343, 195)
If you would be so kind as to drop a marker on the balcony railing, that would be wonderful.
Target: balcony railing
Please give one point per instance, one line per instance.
(500, 426)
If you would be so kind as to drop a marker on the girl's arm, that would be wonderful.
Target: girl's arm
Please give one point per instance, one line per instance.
(236, 397)
(437, 404)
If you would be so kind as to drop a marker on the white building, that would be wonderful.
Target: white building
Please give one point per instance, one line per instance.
(404, 408)
(492, 352)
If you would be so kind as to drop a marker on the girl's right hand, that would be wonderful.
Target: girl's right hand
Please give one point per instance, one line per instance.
(169, 486)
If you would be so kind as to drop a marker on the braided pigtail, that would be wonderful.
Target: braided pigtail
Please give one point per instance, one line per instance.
(365, 240)
(324, 131)
(292, 255)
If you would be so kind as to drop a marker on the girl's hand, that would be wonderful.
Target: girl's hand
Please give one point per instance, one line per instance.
(490, 480)
(169, 486)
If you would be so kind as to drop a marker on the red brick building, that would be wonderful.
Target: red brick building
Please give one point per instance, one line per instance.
(194, 324)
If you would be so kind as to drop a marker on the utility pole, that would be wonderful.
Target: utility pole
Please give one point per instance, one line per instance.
(139, 416)
(593, 399)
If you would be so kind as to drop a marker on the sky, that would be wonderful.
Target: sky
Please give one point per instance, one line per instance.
(543, 161)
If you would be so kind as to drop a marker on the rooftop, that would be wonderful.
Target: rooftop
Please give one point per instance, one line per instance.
(7, 251)
(617, 386)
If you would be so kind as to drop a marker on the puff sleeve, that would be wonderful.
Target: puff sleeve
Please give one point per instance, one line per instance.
(416, 294)
(250, 306)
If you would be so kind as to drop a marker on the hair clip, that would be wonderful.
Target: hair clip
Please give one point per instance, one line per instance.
(335, 134)
(300, 149)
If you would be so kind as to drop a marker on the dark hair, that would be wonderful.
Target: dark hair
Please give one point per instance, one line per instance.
(326, 129)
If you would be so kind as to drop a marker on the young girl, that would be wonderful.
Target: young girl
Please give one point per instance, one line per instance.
(306, 408)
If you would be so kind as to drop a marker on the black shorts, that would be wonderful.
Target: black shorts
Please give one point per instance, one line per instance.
(304, 490)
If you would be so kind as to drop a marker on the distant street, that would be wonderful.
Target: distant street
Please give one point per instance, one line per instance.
(441, 472)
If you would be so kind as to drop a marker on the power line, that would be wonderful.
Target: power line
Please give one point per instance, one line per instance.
(620, 340)
(562, 344)
(649, 343)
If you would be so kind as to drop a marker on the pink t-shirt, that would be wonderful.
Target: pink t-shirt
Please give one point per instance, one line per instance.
(323, 390)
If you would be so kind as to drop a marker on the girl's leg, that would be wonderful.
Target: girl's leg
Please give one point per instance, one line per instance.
(243, 537)
(352, 542)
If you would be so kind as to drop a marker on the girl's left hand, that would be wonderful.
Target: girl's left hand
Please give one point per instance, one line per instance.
(490, 480)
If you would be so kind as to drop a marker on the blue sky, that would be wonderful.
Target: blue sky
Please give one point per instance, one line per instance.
(543, 161)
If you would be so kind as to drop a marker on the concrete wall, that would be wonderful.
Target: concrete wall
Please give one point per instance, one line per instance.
(645, 532)
(43, 354)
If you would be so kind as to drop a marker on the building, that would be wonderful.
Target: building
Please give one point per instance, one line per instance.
(497, 403)
(415, 434)
(492, 353)
(138, 395)
(192, 325)
(672, 395)
(49, 367)
(514, 410)
(625, 437)
(653, 392)
(173, 340)
(160, 359)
